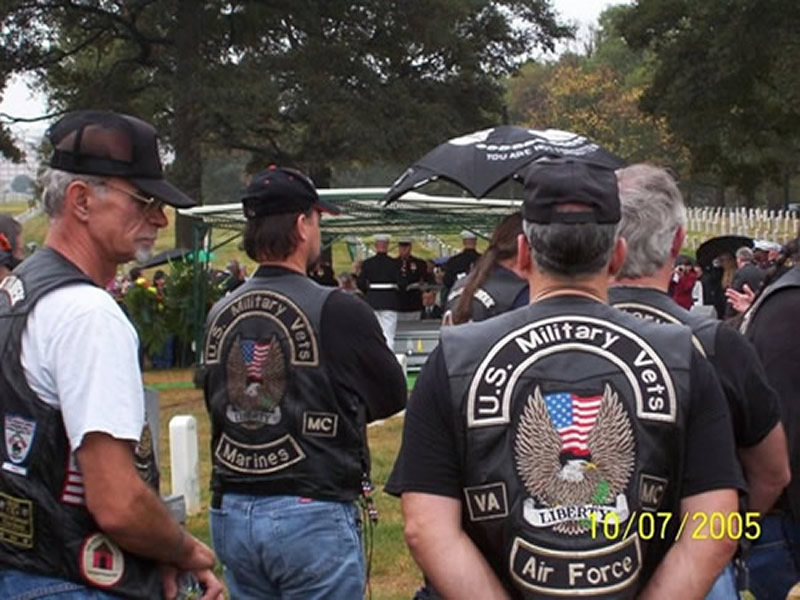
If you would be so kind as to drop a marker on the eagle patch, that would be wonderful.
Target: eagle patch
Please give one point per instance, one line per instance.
(575, 455)
(256, 376)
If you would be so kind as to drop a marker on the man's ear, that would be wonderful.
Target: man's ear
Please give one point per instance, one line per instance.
(677, 242)
(76, 200)
(618, 256)
(523, 259)
(302, 224)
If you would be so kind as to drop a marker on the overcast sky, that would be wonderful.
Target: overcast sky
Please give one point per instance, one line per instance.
(18, 101)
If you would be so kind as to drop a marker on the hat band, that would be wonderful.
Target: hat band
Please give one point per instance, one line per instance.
(260, 206)
(94, 165)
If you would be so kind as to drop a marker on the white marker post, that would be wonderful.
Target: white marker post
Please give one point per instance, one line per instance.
(403, 360)
(184, 461)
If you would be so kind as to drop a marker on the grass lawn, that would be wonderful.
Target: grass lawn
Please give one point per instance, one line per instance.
(394, 575)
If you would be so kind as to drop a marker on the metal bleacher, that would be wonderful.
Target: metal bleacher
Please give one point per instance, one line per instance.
(416, 339)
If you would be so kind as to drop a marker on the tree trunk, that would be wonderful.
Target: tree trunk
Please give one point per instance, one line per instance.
(322, 175)
(187, 170)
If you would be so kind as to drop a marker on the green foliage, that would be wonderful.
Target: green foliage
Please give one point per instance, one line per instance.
(158, 316)
(314, 84)
(147, 311)
(596, 96)
(725, 81)
(22, 184)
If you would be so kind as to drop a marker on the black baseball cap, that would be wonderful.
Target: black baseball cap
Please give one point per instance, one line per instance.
(280, 190)
(105, 143)
(556, 181)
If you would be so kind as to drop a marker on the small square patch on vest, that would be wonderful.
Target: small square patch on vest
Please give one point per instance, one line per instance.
(651, 491)
(319, 424)
(488, 501)
(16, 521)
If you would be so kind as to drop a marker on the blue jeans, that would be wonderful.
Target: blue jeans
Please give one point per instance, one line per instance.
(286, 547)
(724, 587)
(21, 585)
(774, 558)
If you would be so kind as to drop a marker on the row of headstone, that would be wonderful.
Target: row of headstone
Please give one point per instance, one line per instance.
(757, 223)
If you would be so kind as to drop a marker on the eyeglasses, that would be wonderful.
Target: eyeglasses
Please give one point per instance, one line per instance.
(151, 205)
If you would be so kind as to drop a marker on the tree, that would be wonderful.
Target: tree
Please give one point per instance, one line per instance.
(596, 95)
(314, 84)
(22, 184)
(725, 81)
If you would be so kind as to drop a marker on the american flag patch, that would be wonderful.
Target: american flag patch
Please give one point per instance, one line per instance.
(254, 355)
(72, 492)
(573, 417)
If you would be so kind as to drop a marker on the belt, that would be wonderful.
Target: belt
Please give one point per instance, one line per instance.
(383, 286)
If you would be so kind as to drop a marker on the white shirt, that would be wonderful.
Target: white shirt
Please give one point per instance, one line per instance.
(80, 354)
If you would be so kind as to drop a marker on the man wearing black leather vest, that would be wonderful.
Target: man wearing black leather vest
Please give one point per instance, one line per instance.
(539, 444)
(773, 326)
(293, 373)
(76, 518)
(654, 227)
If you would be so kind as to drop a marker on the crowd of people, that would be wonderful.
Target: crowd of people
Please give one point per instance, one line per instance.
(581, 430)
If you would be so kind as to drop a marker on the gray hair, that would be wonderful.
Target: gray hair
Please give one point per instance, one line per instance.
(652, 211)
(744, 253)
(54, 184)
(570, 250)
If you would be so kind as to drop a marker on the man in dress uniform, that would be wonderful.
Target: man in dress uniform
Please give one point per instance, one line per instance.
(293, 372)
(526, 430)
(654, 227)
(459, 265)
(413, 275)
(379, 280)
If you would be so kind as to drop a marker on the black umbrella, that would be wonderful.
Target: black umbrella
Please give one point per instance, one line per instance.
(481, 161)
(712, 248)
(166, 256)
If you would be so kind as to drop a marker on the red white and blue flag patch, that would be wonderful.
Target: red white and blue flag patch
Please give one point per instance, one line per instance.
(255, 355)
(73, 492)
(573, 417)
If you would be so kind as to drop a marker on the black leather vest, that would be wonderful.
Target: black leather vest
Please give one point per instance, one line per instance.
(790, 497)
(44, 525)
(276, 425)
(652, 305)
(494, 297)
(788, 280)
(571, 417)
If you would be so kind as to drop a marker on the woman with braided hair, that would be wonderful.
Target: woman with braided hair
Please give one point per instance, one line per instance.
(498, 281)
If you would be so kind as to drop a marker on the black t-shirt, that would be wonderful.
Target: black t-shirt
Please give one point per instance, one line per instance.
(355, 352)
(774, 331)
(429, 463)
(753, 402)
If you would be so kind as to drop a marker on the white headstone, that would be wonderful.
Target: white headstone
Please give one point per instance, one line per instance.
(184, 460)
(403, 360)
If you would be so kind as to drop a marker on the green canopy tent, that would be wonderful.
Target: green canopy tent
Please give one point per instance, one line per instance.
(363, 214)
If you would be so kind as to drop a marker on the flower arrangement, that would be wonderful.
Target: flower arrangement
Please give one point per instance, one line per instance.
(167, 316)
